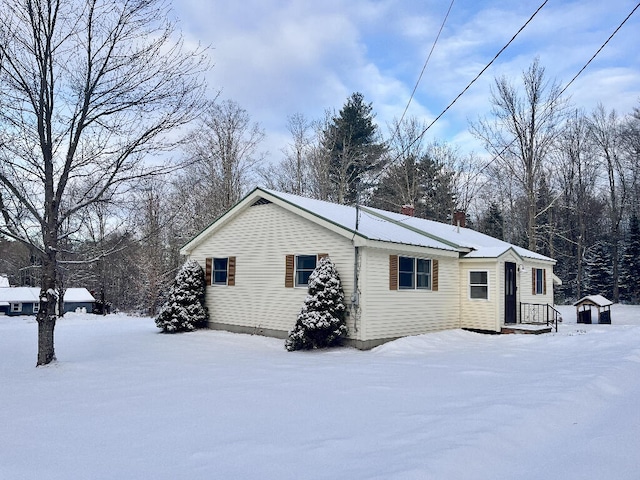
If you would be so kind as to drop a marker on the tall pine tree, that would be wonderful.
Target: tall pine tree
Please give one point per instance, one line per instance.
(351, 142)
(630, 265)
(493, 222)
(598, 271)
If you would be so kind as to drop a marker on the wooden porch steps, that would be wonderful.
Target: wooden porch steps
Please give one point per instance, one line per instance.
(526, 328)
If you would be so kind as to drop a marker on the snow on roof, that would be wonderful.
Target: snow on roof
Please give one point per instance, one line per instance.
(78, 295)
(19, 294)
(4, 281)
(32, 294)
(597, 300)
(482, 246)
(393, 227)
(370, 225)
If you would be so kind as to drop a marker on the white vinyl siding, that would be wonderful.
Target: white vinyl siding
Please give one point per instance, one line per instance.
(528, 285)
(389, 313)
(260, 238)
(480, 314)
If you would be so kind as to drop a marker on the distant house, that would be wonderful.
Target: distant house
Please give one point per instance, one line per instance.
(78, 299)
(401, 275)
(19, 300)
(26, 301)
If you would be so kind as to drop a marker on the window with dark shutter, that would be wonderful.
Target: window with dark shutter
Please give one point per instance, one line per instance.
(305, 265)
(539, 280)
(208, 269)
(289, 269)
(231, 275)
(393, 272)
(434, 275)
(414, 273)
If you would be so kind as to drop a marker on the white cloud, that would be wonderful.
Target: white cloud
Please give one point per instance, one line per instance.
(278, 58)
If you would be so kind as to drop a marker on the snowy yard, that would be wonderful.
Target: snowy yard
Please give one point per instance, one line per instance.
(125, 402)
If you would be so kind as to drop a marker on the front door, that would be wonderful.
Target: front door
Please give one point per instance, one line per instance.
(509, 292)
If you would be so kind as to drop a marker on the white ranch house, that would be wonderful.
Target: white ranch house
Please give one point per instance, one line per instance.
(401, 275)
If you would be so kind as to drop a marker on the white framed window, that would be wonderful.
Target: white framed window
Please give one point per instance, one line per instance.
(479, 285)
(539, 283)
(414, 273)
(16, 307)
(220, 270)
(304, 266)
(36, 307)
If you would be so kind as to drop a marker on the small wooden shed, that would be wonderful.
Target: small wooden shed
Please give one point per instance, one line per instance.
(585, 304)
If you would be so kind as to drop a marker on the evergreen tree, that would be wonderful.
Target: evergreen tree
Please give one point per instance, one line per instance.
(321, 321)
(630, 267)
(424, 183)
(598, 274)
(493, 222)
(351, 143)
(185, 309)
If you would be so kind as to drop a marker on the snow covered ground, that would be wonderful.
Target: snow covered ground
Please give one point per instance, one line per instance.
(125, 402)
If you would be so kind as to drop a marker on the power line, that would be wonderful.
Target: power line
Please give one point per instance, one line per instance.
(404, 150)
(426, 62)
(504, 149)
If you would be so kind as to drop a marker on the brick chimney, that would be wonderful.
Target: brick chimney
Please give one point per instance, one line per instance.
(408, 210)
(459, 218)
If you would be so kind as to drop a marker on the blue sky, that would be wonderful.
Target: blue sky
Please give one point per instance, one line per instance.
(276, 58)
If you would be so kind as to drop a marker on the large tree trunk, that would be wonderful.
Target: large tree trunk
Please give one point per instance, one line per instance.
(49, 293)
(46, 325)
(47, 315)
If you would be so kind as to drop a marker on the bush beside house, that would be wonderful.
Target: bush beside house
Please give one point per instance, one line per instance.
(184, 309)
(321, 321)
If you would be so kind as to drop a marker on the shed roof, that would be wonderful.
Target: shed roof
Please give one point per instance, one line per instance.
(597, 300)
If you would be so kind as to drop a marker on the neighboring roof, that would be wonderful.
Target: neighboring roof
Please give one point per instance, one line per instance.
(597, 300)
(78, 295)
(381, 225)
(32, 294)
(19, 294)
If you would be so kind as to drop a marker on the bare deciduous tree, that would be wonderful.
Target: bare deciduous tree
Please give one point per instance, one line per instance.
(522, 131)
(606, 131)
(223, 155)
(89, 88)
(293, 173)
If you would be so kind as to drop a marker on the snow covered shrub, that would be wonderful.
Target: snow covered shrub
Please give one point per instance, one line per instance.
(184, 309)
(321, 321)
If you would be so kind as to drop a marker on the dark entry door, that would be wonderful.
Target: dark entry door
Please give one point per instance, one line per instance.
(509, 292)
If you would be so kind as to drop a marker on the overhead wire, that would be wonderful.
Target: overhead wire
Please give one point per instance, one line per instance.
(420, 135)
(564, 89)
(433, 46)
